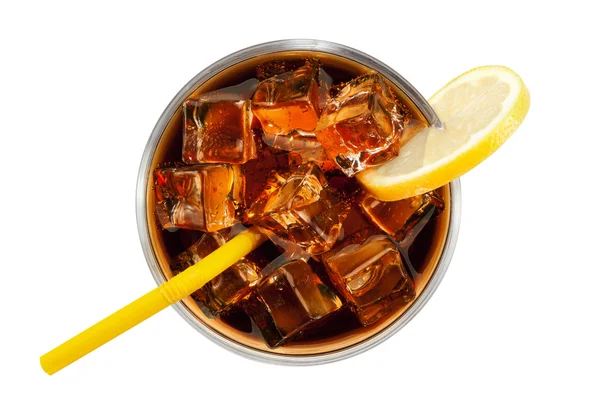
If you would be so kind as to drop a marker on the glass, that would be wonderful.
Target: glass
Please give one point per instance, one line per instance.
(164, 133)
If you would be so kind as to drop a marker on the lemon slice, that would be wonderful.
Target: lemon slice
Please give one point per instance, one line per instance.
(479, 110)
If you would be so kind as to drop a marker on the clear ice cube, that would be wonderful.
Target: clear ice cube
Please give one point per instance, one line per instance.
(295, 141)
(316, 154)
(257, 171)
(201, 197)
(218, 126)
(362, 126)
(289, 104)
(290, 301)
(228, 288)
(402, 219)
(369, 273)
(299, 206)
(350, 189)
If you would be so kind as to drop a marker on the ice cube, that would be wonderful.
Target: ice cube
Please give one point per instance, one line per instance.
(355, 222)
(295, 141)
(227, 289)
(299, 206)
(349, 188)
(217, 126)
(201, 197)
(303, 147)
(289, 104)
(269, 158)
(257, 171)
(402, 219)
(289, 301)
(362, 126)
(316, 154)
(369, 273)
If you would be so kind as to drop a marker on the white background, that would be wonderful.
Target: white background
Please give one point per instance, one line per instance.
(81, 87)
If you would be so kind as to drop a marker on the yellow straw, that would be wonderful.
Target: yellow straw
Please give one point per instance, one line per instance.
(152, 302)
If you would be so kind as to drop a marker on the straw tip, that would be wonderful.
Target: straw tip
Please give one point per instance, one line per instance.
(45, 366)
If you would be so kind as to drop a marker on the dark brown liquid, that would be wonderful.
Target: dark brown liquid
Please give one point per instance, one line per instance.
(342, 329)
